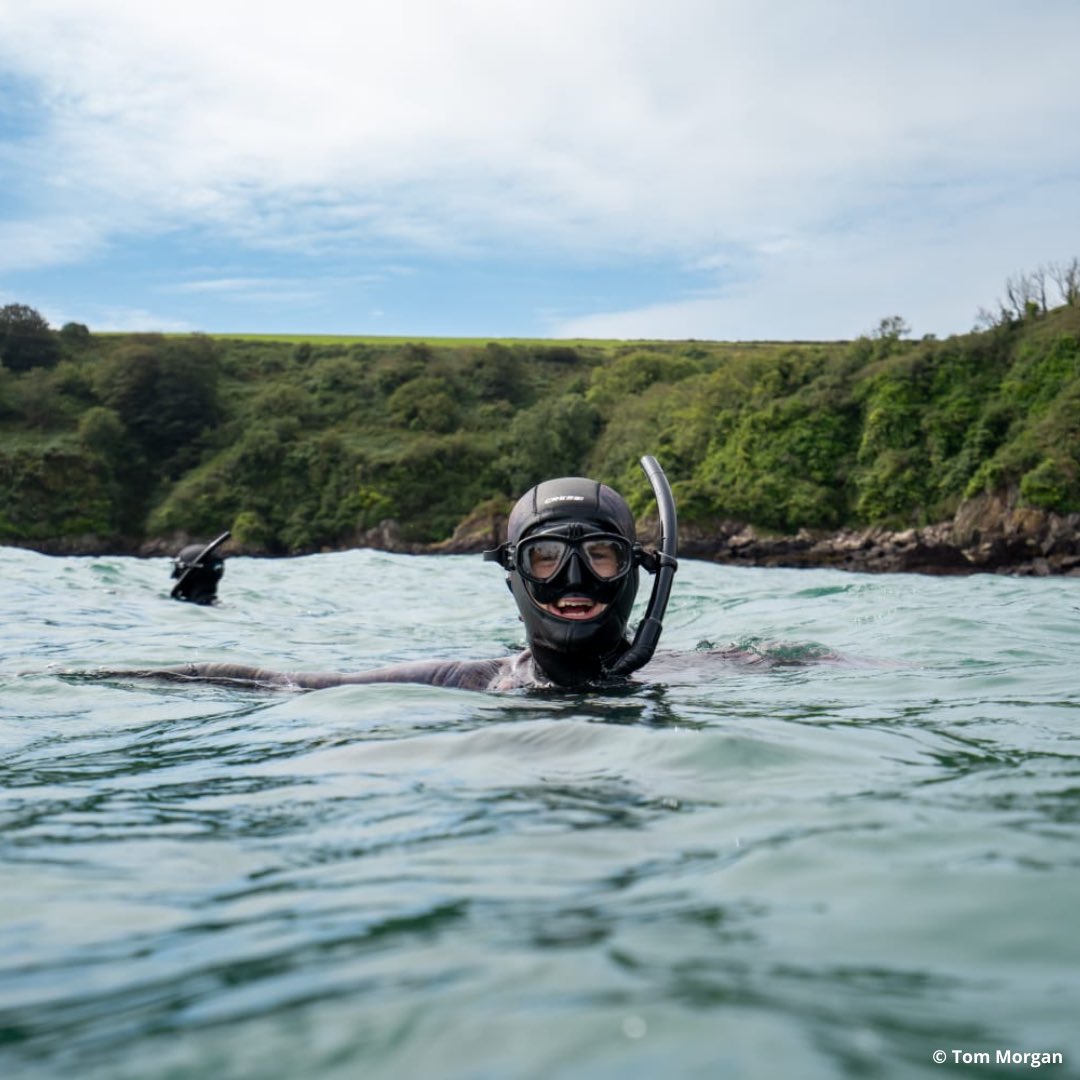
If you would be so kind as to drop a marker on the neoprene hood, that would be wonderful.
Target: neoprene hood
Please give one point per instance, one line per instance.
(197, 571)
(573, 652)
(572, 541)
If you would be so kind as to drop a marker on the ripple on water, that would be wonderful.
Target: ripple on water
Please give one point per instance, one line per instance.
(828, 865)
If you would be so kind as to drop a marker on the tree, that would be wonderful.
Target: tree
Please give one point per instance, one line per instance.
(1066, 276)
(103, 432)
(75, 336)
(496, 373)
(25, 339)
(165, 393)
(550, 439)
(1025, 296)
(892, 328)
(425, 403)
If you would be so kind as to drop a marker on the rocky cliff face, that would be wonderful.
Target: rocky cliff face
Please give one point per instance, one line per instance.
(989, 534)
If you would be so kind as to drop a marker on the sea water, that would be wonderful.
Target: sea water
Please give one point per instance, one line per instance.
(859, 853)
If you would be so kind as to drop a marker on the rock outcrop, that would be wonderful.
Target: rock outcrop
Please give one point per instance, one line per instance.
(988, 534)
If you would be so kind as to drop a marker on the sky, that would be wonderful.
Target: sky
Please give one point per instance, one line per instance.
(710, 169)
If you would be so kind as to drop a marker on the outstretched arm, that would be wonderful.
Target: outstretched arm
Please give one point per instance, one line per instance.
(463, 674)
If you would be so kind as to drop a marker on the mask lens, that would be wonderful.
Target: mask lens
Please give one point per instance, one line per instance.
(542, 559)
(607, 558)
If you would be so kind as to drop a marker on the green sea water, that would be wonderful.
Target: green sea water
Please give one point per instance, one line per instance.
(858, 852)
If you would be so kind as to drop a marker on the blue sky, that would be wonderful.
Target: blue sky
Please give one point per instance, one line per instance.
(715, 169)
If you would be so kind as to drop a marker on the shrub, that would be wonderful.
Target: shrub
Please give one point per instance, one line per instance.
(25, 339)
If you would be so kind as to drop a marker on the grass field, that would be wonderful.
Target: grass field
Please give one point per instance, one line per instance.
(417, 339)
(602, 344)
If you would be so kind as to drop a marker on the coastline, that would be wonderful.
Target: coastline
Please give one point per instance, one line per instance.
(988, 534)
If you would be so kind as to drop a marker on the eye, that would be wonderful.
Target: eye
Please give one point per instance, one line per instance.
(543, 558)
(605, 557)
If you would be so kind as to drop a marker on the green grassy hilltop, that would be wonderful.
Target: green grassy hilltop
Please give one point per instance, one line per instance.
(304, 443)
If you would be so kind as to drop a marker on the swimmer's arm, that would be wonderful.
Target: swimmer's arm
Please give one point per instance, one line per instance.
(463, 674)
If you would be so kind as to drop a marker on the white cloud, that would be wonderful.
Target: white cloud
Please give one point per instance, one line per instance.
(300, 291)
(728, 135)
(642, 123)
(261, 291)
(45, 241)
(936, 272)
(229, 285)
(134, 320)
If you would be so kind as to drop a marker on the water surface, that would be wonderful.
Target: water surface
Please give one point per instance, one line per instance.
(806, 869)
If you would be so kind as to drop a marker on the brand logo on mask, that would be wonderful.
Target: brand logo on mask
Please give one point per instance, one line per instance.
(564, 498)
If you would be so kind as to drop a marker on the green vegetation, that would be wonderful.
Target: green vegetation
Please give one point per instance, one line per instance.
(306, 443)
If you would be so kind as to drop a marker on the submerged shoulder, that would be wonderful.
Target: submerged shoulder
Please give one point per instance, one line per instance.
(519, 672)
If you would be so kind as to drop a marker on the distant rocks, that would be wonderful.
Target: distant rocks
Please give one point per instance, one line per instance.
(484, 529)
(989, 534)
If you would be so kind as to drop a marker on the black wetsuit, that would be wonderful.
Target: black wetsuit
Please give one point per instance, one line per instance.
(508, 673)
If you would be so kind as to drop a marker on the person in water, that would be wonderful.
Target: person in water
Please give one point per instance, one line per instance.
(572, 562)
(197, 569)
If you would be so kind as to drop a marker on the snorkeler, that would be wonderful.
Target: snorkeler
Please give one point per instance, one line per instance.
(197, 570)
(571, 559)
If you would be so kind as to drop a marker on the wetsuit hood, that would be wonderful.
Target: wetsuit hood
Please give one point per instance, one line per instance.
(197, 571)
(573, 652)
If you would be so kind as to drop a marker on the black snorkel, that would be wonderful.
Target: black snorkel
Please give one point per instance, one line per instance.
(197, 564)
(662, 564)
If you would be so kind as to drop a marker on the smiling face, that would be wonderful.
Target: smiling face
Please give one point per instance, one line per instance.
(574, 566)
(571, 566)
(575, 608)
